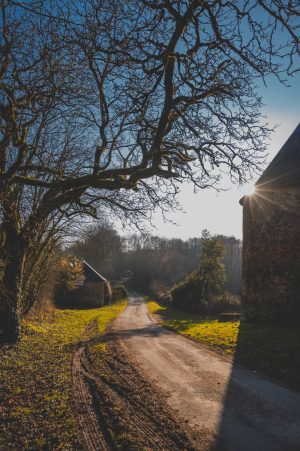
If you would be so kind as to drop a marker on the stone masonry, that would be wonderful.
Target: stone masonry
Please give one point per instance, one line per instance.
(271, 242)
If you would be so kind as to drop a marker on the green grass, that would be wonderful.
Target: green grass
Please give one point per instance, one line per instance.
(272, 349)
(36, 382)
(221, 336)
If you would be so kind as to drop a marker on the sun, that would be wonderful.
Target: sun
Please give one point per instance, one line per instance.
(251, 190)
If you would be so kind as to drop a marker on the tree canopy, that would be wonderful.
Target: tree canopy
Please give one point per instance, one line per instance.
(108, 105)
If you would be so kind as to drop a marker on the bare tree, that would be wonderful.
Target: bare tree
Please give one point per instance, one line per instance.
(109, 104)
(101, 246)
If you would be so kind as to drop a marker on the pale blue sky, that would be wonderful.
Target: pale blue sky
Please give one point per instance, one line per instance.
(221, 212)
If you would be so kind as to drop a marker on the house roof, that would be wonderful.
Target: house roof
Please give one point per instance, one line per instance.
(284, 169)
(91, 274)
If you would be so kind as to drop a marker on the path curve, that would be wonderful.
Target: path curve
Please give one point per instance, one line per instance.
(233, 408)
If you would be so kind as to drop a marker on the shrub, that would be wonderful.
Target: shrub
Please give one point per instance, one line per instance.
(203, 290)
(118, 291)
(186, 294)
(211, 273)
(69, 272)
(227, 303)
(165, 298)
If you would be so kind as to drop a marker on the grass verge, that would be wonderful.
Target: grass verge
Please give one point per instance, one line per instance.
(36, 382)
(272, 349)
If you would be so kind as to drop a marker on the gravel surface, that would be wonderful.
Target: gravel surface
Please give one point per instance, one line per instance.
(231, 408)
(117, 409)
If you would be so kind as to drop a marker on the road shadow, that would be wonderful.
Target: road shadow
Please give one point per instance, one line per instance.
(260, 411)
(111, 336)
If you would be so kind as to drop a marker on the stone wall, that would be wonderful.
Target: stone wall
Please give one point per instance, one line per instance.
(90, 295)
(271, 256)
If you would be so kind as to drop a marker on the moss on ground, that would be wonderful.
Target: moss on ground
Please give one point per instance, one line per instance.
(272, 349)
(36, 382)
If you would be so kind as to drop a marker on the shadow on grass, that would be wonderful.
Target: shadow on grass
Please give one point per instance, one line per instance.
(186, 319)
(273, 349)
(260, 411)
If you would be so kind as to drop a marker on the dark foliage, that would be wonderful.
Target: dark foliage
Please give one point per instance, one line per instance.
(159, 263)
(203, 291)
(154, 263)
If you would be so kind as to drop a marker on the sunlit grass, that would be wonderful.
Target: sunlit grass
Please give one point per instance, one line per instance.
(36, 382)
(206, 330)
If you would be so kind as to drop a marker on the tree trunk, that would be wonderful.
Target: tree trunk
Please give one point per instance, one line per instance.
(9, 325)
(11, 293)
(13, 251)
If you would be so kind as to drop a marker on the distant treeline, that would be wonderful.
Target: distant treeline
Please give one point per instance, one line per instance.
(156, 263)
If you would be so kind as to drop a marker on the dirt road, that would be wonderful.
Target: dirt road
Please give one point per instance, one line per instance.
(234, 409)
(116, 408)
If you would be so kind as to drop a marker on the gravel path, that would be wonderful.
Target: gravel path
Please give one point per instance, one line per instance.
(117, 409)
(233, 408)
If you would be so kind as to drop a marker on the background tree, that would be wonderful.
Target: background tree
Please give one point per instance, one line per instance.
(159, 263)
(102, 247)
(156, 263)
(108, 104)
(211, 272)
(232, 263)
(203, 291)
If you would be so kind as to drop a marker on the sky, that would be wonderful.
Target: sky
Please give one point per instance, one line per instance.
(220, 212)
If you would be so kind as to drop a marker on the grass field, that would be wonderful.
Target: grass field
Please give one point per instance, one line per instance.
(272, 349)
(36, 382)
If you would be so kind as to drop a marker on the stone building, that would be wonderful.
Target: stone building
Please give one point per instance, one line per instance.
(271, 242)
(93, 290)
(79, 285)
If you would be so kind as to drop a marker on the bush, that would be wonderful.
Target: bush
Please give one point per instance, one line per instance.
(203, 290)
(165, 298)
(186, 296)
(69, 270)
(118, 291)
(227, 303)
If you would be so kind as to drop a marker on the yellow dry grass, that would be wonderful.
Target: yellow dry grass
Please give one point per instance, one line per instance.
(36, 381)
